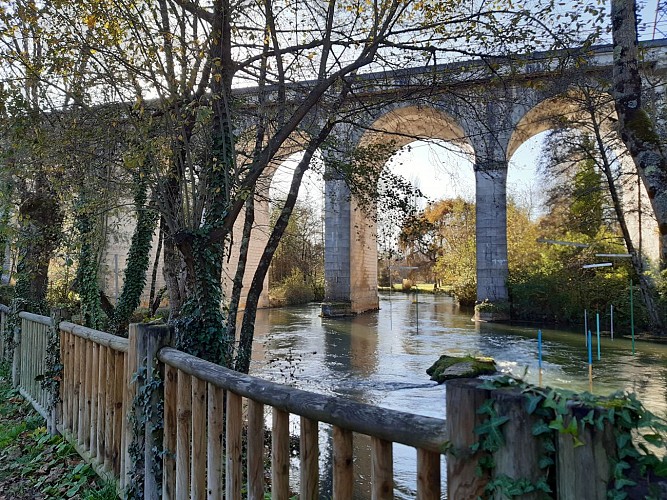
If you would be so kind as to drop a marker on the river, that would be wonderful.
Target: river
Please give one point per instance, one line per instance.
(380, 358)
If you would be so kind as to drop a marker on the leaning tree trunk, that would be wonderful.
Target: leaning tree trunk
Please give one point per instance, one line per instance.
(637, 129)
(646, 286)
(244, 352)
(237, 288)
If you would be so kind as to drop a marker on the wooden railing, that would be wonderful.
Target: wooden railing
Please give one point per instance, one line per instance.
(30, 361)
(196, 439)
(94, 397)
(187, 436)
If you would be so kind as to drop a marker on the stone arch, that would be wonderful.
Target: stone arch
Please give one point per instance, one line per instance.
(260, 232)
(405, 124)
(546, 115)
(400, 125)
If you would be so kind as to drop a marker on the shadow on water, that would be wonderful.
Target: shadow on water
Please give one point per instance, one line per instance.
(380, 358)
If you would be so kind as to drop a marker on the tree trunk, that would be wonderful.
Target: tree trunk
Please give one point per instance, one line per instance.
(156, 263)
(645, 284)
(172, 271)
(40, 219)
(87, 272)
(240, 267)
(138, 257)
(244, 353)
(637, 129)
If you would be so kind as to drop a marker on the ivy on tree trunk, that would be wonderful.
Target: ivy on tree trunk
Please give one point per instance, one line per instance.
(40, 219)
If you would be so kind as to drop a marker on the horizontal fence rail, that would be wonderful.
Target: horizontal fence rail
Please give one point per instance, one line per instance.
(197, 436)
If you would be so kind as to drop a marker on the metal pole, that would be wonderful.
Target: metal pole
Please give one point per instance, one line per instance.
(611, 320)
(597, 323)
(417, 303)
(632, 319)
(539, 355)
(590, 361)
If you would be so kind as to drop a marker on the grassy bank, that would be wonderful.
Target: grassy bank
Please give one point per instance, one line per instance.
(423, 288)
(34, 465)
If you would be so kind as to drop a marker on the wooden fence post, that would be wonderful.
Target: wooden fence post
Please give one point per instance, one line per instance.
(53, 349)
(16, 356)
(147, 340)
(585, 471)
(519, 458)
(464, 397)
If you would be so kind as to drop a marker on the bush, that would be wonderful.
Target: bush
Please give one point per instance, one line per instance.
(294, 290)
(6, 294)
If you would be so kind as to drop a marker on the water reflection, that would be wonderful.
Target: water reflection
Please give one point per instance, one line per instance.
(381, 358)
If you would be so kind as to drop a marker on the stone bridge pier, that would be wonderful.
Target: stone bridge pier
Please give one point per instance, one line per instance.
(351, 245)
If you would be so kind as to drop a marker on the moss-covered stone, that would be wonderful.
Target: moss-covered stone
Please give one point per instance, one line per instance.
(448, 367)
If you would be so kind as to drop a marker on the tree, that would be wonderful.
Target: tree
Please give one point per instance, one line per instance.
(300, 248)
(589, 146)
(455, 240)
(177, 62)
(638, 129)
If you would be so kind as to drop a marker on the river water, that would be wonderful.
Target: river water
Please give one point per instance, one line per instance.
(381, 358)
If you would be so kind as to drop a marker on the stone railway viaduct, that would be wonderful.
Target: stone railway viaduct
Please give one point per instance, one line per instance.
(489, 108)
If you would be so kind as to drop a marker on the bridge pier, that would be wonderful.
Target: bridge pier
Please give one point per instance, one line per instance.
(491, 235)
(350, 254)
(336, 249)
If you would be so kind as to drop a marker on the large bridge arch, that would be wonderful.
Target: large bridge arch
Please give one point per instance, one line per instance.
(351, 234)
(565, 110)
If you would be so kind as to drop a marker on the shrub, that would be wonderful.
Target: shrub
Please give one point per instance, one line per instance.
(294, 290)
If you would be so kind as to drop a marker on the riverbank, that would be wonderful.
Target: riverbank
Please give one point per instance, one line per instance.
(34, 465)
(420, 288)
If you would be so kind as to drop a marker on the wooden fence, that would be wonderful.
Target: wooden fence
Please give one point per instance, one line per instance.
(200, 433)
(4, 348)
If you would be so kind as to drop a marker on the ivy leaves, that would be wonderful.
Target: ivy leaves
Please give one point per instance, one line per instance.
(637, 433)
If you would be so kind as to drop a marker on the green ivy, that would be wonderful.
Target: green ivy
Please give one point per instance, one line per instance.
(138, 257)
(622, 411)
(140, 423)
(87, 271)
(200, 330)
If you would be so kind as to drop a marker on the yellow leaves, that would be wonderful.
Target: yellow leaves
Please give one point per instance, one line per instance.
(91, 21)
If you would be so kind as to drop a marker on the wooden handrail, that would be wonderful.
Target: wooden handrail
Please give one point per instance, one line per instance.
(106, 339)
(418, 431)
(36, 318)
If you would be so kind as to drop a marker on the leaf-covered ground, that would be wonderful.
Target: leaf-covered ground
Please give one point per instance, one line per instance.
(34, 465)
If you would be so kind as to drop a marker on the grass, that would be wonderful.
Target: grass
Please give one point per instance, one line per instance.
(35, 465)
